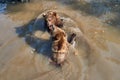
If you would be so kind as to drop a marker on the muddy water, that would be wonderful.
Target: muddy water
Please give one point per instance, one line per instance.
(98, 42)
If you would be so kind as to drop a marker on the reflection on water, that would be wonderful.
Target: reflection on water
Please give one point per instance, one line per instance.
(96, 24)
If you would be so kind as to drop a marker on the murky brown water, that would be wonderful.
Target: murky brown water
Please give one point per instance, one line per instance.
(21, 31)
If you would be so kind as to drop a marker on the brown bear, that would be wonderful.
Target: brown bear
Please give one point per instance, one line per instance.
(59, 45)
(52, 18)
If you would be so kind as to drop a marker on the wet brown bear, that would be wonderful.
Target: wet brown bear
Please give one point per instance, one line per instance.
(59, 45)
(52, 18)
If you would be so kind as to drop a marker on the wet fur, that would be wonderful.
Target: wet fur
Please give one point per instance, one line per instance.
(52, 18)
(59, 45)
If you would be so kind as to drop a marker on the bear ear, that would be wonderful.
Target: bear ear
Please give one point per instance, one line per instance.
(44, 15)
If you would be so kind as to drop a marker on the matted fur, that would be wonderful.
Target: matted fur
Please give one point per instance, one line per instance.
(59, 45)
(52, 18)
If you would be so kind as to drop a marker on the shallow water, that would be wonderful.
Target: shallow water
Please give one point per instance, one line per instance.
(98, 41)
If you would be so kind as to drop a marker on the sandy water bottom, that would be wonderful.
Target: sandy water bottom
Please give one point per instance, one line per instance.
(97, 44)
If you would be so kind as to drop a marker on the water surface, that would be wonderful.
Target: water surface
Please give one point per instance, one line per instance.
(96, 24)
